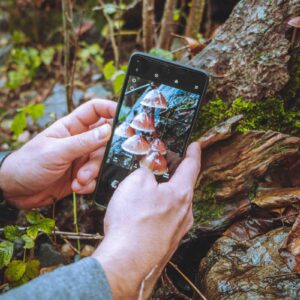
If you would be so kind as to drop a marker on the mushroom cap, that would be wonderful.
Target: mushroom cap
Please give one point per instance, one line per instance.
(155, 162)
(159, 146)
(295, 22)
(143, 122)
(154, 98)
(136, 144)
(124, 130)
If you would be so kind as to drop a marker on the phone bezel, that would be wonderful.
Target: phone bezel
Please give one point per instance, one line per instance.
(203, 82)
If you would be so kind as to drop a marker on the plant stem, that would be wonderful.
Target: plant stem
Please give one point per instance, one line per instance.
(67, 16)
(75, 218)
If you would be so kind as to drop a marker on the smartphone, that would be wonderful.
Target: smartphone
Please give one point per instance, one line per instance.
(156, 112)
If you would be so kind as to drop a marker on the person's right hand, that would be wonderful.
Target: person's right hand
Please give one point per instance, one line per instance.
(144, 224)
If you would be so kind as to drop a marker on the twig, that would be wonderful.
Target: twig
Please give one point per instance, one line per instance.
(111, 35)
(3, 286)
(73, 248)
(82, 235)
(79, 237)
(188, 280)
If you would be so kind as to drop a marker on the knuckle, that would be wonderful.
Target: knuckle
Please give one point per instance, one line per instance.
(186, 195)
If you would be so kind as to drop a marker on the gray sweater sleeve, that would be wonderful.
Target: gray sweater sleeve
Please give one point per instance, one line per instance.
(82, 280)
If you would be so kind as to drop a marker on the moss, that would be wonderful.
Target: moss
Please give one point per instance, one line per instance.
(278, 113)
(268, 114)
(206, 208)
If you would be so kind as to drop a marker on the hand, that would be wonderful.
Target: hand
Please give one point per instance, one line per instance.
(64, 157)
(144, 224)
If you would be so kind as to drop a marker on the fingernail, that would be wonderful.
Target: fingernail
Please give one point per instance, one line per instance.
(102, 132)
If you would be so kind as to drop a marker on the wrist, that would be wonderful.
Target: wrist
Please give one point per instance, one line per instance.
(122, 267)
(6, 179)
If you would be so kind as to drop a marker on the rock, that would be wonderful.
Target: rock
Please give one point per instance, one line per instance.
(252, 269)
(240, 172)
(66, 250)
(97, 91)
(24, 137)
(56, 106)
(87, 250)
(49, 256)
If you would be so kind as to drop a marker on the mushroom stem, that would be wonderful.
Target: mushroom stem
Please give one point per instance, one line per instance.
(294, 35)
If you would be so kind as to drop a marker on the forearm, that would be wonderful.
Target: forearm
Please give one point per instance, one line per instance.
(82, 280)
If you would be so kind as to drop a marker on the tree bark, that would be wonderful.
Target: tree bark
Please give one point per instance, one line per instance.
(195, 18)
(148, 24)
(167, 25)
(249, 56)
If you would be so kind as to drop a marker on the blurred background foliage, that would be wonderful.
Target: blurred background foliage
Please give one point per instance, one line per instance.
(102, 35)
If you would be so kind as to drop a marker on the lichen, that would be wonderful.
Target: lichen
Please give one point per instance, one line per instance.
(206, 207)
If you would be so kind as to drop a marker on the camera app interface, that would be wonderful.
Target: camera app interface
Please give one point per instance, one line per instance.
(152, 131)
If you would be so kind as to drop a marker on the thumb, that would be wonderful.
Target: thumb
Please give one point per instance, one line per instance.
(78, 145)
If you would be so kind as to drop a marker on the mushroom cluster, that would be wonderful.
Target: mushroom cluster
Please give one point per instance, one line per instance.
(141, 137)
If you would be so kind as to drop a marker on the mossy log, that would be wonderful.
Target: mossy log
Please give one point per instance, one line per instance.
(242, 171)
(249, 56)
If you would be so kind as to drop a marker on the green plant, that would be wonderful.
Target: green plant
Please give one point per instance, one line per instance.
(161, 53)
(18, 271)
(89, 54)
(116, 76)
(24, 63)
(33, 111)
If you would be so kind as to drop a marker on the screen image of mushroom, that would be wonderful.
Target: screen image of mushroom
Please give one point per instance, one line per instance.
(149, 150)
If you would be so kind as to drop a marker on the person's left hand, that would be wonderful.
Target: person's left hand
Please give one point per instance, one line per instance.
(64, 157)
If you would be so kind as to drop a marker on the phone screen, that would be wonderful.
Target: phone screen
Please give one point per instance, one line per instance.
(151, 130)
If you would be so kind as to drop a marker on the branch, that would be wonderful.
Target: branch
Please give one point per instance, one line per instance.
(148, 24)
(195, 18)
(167, 23)
(111, 34)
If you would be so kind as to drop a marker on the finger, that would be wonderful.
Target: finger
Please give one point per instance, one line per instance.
(83, 189)
(141, 176)
(90, 169)
(78, 145)
(88, 114)
(187, 172)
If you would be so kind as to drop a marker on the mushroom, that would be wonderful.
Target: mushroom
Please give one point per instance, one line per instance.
(136, 145)
(154, 99)
(143, 122)
(124, 130)
(159, 146)
(294, 22)
(155, 162)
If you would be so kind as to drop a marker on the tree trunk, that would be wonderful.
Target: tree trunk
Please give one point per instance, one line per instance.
(249, 56)
(167, 25)
(148, 24)
(195, 18)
